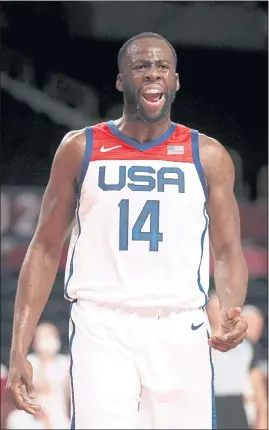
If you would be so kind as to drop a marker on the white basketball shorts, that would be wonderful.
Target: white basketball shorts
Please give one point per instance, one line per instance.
(133, 370)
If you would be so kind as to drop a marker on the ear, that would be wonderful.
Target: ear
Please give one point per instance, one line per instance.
(119, 83)
(177, 82)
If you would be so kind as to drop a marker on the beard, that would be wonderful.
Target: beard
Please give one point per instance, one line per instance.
(135, 108)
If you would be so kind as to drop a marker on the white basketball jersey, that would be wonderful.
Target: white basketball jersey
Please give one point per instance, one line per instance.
(141, 231)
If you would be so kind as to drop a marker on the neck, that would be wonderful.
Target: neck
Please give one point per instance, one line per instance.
(142, 131)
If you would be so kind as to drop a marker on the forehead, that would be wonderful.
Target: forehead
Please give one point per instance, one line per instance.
(152, 49)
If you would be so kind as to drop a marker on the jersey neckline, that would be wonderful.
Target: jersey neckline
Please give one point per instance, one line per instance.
(141, 146)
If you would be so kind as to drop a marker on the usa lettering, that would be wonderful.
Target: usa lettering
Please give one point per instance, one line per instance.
(143, 178)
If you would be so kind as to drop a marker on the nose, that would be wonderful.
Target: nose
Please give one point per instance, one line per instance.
(153, 74)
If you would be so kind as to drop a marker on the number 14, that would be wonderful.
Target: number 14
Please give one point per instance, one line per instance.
(151, 209)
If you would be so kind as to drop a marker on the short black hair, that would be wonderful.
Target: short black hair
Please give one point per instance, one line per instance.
(124, 47)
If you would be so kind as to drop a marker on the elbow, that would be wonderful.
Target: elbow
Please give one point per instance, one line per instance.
(50, 248)
(228, 252)
(228, 256)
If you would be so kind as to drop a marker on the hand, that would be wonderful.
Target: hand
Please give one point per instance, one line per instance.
(232, 330)
(20, 380)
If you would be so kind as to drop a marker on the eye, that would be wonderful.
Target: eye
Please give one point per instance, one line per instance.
(140, 67)
(164, 67)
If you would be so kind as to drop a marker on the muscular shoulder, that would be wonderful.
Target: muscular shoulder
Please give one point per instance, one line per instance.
(73, 140)
(216, 161)
(69, 155)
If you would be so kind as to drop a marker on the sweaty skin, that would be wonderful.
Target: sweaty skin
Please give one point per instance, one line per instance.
(138, 121)
(230, 268)
(148, 62)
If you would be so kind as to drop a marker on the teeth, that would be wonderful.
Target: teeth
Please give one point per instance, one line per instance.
(152, 91)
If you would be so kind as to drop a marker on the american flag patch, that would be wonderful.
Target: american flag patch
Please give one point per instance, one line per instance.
(175, 150)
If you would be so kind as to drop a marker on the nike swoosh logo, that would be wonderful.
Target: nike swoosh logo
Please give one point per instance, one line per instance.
(195, 327)
(102, 149)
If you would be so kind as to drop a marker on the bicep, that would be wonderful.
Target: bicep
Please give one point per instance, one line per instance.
(222, 208)
(56, 214)
(59, 201)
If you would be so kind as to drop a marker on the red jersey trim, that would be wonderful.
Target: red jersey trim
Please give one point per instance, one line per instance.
(107, 146)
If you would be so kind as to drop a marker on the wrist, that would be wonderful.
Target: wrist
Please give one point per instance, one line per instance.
(16, 352)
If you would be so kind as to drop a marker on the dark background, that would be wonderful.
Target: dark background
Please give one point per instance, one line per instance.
(65, 54)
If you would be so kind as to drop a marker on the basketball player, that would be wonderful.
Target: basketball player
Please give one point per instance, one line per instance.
(144, 192)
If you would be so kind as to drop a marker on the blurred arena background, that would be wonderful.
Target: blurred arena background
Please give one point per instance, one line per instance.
(58, 70)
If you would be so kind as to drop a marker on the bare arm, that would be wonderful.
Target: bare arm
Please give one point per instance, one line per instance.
(230, 268)
(42, 259)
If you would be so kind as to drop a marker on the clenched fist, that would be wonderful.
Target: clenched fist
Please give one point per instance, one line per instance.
(232, 330)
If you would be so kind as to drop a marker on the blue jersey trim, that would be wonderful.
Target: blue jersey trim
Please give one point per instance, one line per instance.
(202, 253)
(197, 162)
(214, 412)
(141, 146)
(84, 168)
(86, 158)
(71, 340)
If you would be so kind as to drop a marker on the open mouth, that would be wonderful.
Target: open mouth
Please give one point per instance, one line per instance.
(152, 96)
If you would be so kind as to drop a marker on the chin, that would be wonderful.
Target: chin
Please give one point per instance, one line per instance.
(144, 115)
(159, 116)
(155, 119)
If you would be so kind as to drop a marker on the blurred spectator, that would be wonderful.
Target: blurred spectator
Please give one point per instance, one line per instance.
(233, 371)
(255, 320)
(3, 381)
(51, 383)
(254, 317)
(51, 374)
(255, 398)
(3, 394)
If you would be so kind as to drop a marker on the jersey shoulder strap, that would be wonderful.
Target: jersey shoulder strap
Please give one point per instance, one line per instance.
(184, 145)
